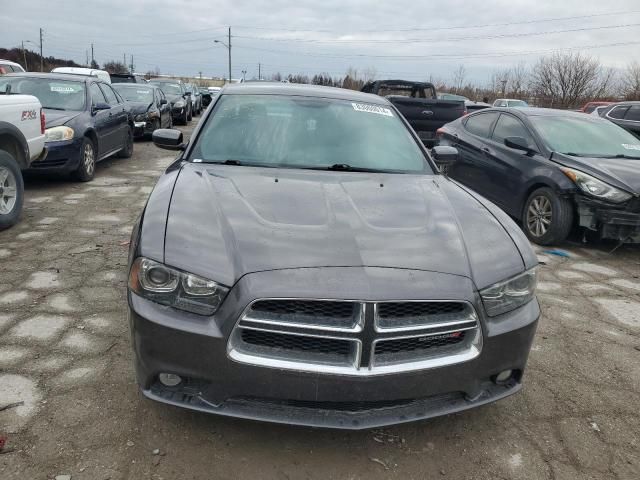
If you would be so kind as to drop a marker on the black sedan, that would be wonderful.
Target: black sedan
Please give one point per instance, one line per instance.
(552, 170)
(87, 121)
(148, 105)
(303, 261)
(624, 114)
(179, 99)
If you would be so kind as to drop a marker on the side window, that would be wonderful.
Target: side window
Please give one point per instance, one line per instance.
(618, 112)
(96, 94)
(510, 126)
(110, 95)
(480, 124)
(633, 114)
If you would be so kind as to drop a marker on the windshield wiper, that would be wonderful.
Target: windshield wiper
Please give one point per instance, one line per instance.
(344, 167)
(238, 163)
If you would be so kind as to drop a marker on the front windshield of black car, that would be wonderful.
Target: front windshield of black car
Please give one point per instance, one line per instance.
(170, 88)
(307, 132)
(586, 137)
(135, 94)
(52, 93)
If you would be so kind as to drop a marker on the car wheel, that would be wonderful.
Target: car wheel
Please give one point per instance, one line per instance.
(189, 115)
(547, 218)
(87, 168)
(127, 150)
(11, 191)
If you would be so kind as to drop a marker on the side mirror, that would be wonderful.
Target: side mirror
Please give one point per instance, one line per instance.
(444, 155)
(168, 139)
(517, 143)
(187, 93)
(163, 101)
(100, 106)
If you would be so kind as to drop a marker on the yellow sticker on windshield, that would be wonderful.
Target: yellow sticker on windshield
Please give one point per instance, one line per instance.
(363, 107)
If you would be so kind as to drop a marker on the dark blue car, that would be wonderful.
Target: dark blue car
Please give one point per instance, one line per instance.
(86, 120)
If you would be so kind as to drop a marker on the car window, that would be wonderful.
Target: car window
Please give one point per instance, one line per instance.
(303, 132)
(618, 112)
(96, 94)
(590, 108)
(633, 114)
(53, 93)
(480, 124)
(4, 68)
(109, 95)
(517, 103)
(510, 126)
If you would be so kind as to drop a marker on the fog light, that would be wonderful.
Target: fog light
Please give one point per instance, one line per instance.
(171, 380)
(501, 377)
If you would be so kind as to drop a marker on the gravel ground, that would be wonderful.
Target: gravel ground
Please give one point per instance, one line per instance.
(65, 352)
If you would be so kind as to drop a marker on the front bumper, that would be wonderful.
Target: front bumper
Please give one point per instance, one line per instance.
(178, 112)
(62, 157)
(615, 222)
(194, 347)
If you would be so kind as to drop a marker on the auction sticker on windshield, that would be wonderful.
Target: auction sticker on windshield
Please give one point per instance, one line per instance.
(630, 146)
(363, 107)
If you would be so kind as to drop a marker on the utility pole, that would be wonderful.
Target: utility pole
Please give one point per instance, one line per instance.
(24, 56)
(229, 54)
(504, 86)
(244, 72)
(124, 60)
(86, 58)
(92, 59)
(259, 72)
(41, 57)
(132, 65)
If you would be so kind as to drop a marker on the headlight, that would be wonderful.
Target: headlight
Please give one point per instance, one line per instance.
(595, 187)
(168, 286)
(510, 294)
(141, 118)
(56, 134)
(179, 104)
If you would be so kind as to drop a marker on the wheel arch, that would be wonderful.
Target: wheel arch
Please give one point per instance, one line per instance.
(13, 141)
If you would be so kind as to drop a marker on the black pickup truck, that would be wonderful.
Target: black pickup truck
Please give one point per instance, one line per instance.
(418, 102)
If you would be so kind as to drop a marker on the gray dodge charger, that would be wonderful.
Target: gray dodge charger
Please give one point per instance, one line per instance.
(303, 261)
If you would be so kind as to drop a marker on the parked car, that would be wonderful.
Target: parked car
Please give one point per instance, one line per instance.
(418, 102)
(196, 98)
(21, 143)
(452, 96)
(589, 107)
(148, 105)
(303, 262)
(206, 97)
(101, 74)
(472, 106)
(214, 90)
(181, 105)
(86, 120)
(510, 103)
(7, 66)
(625, 115)
(127, 78)
(599, 111)
(552, 170)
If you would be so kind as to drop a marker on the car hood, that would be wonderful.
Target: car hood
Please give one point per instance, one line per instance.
(138, 107)
(620, 172)
(227, 221)
(56, 118)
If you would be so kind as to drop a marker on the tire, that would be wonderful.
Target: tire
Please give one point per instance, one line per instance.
(11, 191)
(184, 119)
(127, 150)
(87, 168)
(189, 114)
(547, 218)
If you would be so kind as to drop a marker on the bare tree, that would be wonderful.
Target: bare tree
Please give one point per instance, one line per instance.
(369, 74)
(630, 82)
(115, 67)
(517, 77)
(567, 79)
(459, 76)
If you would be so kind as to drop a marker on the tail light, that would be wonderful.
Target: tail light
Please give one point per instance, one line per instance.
(42, 122)
(440, 132)
(465, 113)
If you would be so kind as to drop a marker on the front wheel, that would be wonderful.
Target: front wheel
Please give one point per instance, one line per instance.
(11, 191)
(547, 218)
(189, 115)
(127, 149)
(87, 168)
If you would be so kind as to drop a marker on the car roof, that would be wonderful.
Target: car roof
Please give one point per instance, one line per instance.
(535, 112)
(58, 76)
(628, 102)
(10, 62)
(301, 90)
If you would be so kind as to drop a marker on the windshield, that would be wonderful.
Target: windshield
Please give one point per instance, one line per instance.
(135, 94)
(588, 137)
(52, 93)
(517, 103)
(305, 132)
(170, 88)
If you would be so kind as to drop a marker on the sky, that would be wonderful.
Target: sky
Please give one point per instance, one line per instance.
(413, 40)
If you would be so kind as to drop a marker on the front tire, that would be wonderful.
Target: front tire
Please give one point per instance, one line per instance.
(127, 150)
(87, 168)
(189, 115)
(547, 218)
(11, 191)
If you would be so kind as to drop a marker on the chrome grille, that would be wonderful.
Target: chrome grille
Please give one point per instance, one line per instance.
(355, 338)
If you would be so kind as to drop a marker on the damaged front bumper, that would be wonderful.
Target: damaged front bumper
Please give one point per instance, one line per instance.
(619, 222)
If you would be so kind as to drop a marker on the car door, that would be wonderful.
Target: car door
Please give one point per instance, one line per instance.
(632, 120)
(101, 119)
(473, 165)
(117, 119)
(510, 168)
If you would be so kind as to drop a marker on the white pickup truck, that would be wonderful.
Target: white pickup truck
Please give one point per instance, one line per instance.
(21, 142)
